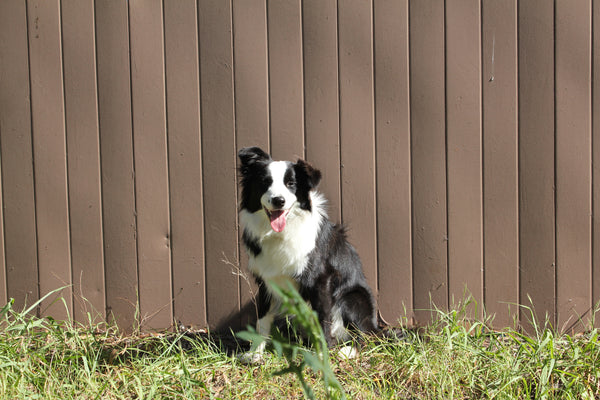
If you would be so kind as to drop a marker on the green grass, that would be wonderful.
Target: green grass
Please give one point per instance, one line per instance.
(454, 358)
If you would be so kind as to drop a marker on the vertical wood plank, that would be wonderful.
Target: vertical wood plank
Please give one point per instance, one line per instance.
(16, 156)
(116, 147)
(251, 73)
(596, 160)
(355, 25)
(4, 52)
(321, 97)
(83, 159)
(573, 164)
(151, 169)
(219, 160)
(428, 148)
(48, 123)
(3, 291)
(500, 161)
(285, 79)
(463, 119)
(392, 122)
(536, 159)
(185, 162)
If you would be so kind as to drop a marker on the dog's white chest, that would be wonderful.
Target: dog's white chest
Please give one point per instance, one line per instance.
(283, 254)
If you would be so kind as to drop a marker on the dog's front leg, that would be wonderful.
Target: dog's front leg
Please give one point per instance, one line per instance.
(263, 327)
(267, 310)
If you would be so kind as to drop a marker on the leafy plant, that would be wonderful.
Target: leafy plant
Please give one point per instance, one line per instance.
(298, 357)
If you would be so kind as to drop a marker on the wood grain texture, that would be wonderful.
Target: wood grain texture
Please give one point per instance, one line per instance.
(49, 153)
(321, 97)
(428, 158)
(218, 163)
(573, 164)
(118, 176)
(357, 130)
(150, 162)
(286, 100)
(500, 161)
(464, 152)
(16, 156)
(83, 160)
(185, 162)
(392, 128)
(536, 160)
(596, 159)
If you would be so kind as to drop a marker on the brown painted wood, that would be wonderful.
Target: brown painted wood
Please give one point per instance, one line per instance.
(463, 119)
(357, 139)
(151, 169)
(392, 123)
(251, 109)
(500, 161)
(185, 162)
(465, 141)
(284, 19)
(596, 160)
(321, 98)
(18, 202)
(3, 291)
(536, 160)
(251, 74)
(116, 148)
(219, 161)
(49, 149)
(4, 52)
(428, 148)
(573, 164)
(83, 160)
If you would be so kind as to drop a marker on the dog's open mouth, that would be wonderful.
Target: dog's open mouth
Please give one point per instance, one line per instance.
(277, 218)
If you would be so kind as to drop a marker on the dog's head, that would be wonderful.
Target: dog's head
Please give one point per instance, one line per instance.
(275, 187)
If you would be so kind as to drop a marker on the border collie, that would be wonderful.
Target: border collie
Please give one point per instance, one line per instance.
(289, 238)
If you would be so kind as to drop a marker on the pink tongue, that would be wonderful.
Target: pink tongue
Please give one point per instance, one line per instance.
(277, 220)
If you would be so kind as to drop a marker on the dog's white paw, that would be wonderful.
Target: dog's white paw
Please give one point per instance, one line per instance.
(348, 352)
(251, 358)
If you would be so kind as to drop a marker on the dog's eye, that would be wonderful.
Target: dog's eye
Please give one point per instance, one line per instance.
(290, 184)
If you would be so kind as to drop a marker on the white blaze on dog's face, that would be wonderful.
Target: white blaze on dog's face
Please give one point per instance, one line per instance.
(279, 198)
(274, 190)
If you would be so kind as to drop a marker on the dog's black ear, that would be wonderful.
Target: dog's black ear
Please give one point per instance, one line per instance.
(250, 155)
(308, 172)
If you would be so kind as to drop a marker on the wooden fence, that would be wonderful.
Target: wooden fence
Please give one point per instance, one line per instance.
(457, 141)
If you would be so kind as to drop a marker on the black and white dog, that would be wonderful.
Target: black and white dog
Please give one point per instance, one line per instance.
(289, 238)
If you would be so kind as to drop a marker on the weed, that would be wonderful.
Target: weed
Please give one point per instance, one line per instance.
(297, 356)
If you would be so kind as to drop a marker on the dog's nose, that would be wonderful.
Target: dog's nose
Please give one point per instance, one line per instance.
(278, 201)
